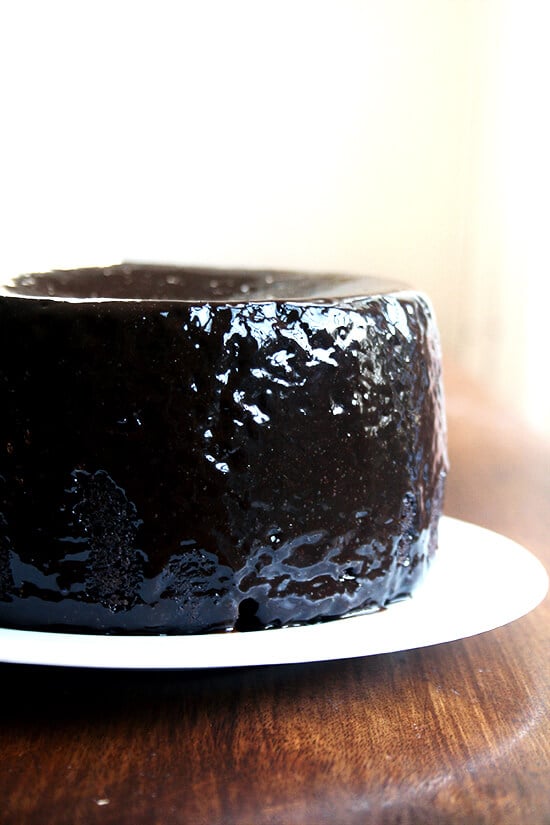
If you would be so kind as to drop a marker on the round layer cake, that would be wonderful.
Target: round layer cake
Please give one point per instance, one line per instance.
(187, 450)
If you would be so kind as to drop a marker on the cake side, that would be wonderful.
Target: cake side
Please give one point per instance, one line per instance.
(185, 468)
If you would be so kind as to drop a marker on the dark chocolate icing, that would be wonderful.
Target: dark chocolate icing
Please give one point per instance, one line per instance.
(234, 450)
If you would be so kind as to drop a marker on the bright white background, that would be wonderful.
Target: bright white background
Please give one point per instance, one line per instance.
(402, 137)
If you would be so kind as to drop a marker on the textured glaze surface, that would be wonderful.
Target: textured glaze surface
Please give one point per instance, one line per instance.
(170, 466)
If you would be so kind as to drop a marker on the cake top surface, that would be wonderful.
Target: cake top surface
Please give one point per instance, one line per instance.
(159, 282)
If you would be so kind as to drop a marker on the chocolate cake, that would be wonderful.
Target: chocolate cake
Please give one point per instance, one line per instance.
(186, 450)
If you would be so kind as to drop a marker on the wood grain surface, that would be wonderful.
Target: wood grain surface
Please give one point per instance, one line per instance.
(455, 733)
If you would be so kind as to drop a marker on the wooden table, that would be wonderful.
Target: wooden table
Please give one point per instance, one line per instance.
(456, 733)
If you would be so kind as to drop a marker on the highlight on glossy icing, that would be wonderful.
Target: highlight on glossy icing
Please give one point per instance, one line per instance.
(187, 450)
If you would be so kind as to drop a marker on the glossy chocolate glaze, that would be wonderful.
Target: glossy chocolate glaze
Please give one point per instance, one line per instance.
(234, 450)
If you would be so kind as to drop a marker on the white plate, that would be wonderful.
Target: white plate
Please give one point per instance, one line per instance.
(478, 581)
